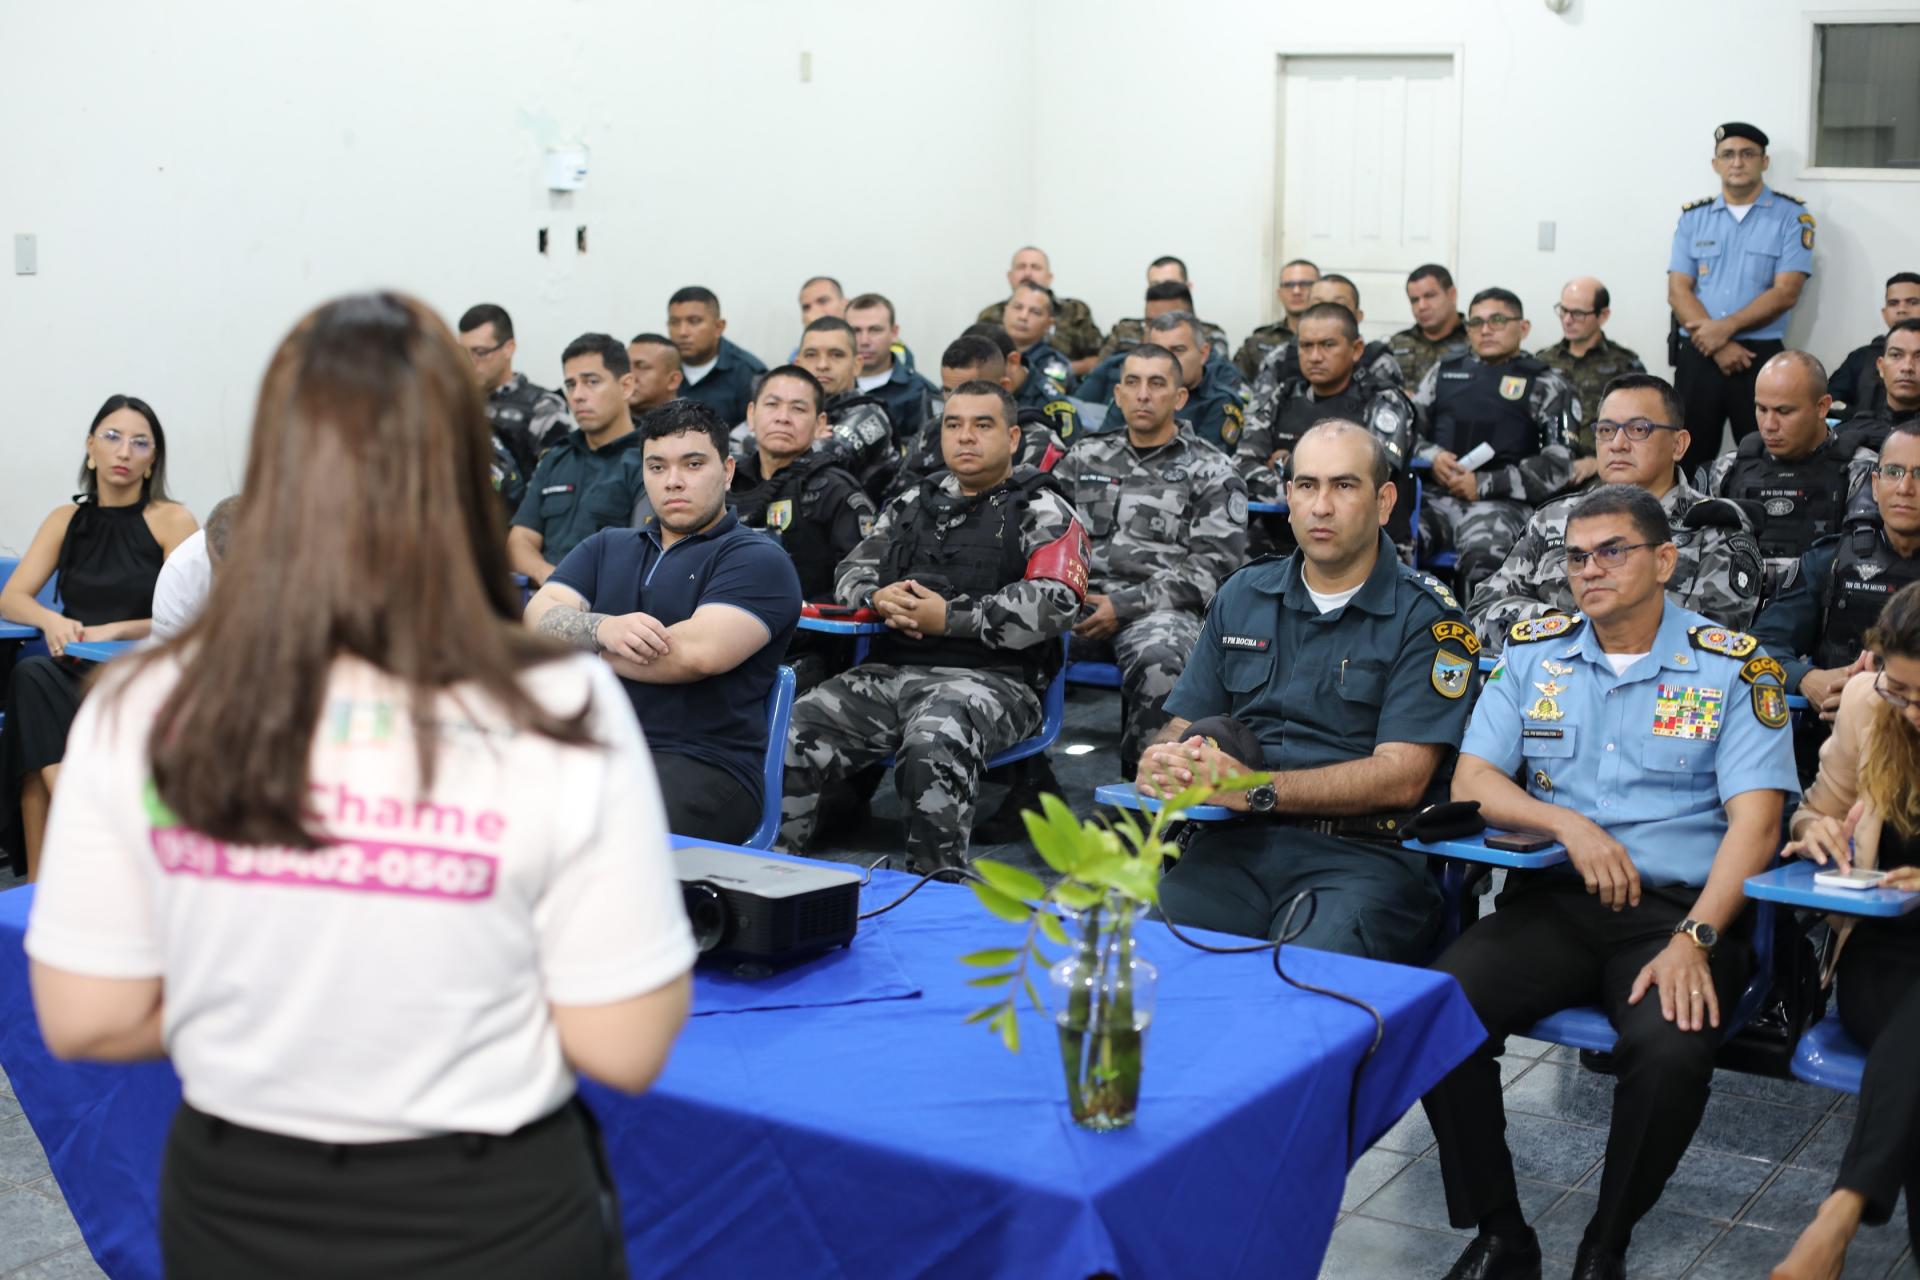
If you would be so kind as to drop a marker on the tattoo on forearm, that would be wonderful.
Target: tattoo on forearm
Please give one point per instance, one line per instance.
(573, 626)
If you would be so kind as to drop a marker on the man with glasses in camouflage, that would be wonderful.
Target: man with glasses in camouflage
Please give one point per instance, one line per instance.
(1296, 283)
(1520, 409)
(1588, 357)
(1640, 439)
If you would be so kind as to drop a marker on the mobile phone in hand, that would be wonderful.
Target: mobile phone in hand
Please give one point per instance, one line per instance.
(1855, 879)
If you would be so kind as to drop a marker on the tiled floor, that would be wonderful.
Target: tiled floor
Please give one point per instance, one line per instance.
(1759, 1167)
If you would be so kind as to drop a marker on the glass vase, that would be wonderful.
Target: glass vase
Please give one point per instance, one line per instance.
(1103, 1001)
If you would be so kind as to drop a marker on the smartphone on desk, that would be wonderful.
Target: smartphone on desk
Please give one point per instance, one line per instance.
(1856, 878)
(1518, 841)
(840, 612)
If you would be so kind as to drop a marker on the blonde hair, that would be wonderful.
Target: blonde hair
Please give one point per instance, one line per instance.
(1890, 765)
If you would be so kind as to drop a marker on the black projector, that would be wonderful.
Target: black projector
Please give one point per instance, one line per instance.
(763, 911)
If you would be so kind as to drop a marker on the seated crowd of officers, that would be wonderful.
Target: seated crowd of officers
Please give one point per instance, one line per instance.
(1057, 495)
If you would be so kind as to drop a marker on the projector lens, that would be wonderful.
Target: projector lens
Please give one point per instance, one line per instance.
(705, 912)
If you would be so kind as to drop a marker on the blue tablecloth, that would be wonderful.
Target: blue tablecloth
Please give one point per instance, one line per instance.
(887, 1138)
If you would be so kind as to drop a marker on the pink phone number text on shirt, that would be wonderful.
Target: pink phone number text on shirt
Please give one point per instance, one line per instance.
(371, 866)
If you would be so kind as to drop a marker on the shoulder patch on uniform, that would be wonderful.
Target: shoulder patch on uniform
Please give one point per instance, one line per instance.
(1554, 624)
(1695, 204)
(1762, 667)
(1437, 589)
(1784, 196)
(1232, 421)
(1460, 631)
(1723, 640)
(1769, 692)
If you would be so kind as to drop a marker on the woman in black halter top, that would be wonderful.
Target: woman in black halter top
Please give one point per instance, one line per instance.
(1864, 809)
(107, 547)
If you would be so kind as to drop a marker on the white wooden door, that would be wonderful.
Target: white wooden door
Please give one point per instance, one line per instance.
(1369, 164)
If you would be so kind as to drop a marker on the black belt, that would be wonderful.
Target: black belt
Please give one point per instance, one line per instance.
(1371, 826)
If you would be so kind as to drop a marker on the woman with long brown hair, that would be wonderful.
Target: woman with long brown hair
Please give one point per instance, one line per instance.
(1864, 811)
(107, 546)
(379, 869)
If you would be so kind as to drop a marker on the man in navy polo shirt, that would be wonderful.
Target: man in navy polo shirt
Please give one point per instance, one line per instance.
(693, 611)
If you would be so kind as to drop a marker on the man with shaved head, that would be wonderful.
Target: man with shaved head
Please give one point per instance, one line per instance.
(1588, 357)
(1795, 469)
(1074, 332)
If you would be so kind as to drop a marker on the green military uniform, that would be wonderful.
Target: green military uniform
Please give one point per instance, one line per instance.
(1074, 331)
(1590, 374)
(1393, 664)
(1417, 353)
(577, 491)
(1130, 333)
(1259, 345)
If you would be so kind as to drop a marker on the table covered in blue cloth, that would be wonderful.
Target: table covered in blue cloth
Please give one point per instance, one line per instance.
(859, 1128)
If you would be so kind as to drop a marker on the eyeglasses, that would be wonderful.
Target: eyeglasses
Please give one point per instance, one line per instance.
(481, 353)
(1496, 323)
(1894, 473)
(113, 440)
(1743, 153)
(1611, 557)
(1573, 313)
(1637, 430)
(1296, 285)
(1899, 701)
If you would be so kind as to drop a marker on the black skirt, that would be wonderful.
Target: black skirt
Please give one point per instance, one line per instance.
(236, 1201)
(43, 697)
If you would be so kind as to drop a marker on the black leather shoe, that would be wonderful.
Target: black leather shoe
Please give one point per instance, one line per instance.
(1499, 1258)
(1595, 1263)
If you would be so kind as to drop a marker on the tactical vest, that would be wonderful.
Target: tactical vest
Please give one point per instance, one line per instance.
(965, 546)
(1804, 500)
(1866, 574)
(511, 412)
(1300, 411)
(798, 527)
(1470, 408)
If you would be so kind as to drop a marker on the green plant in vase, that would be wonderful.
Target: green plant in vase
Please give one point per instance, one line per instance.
(1109, 874)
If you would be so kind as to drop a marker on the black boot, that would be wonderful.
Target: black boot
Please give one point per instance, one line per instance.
(1499, 1258)
(1596, 1263)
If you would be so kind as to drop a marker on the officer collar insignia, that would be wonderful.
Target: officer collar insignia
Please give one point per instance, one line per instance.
(1513, 388)
(1553, 668)
(1721, 640)
(1459, 632)
(1450, 673)
(1682, 711)
(1554, 624)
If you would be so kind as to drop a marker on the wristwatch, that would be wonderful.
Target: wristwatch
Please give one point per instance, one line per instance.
(1261, 799)
(1704, 935)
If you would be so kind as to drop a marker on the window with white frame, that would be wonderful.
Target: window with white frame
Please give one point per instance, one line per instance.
(1866, 95)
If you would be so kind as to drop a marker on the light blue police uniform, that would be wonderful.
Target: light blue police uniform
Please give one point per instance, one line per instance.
(1734, 262)
(1653, 755)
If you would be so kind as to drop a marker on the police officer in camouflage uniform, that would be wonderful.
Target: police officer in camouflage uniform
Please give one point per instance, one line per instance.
(1352, 673)
(1167, 515)
(1524, 411)
(1795, 474)
(1049, 372)
(1216, 395)
(1438, 331)
(1816, 627)
(1168, 289)
(1330, 384)
(1376, 364)
(1296, 280)
(1588, 357)
(1071, 328)
(527, 419)
(1641, 440)
(977, 572)
(1046, 432)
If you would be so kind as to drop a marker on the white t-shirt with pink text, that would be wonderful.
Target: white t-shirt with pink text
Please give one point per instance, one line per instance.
(396, 983)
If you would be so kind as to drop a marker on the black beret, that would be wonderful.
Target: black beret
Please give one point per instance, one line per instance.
(1232, 736)
(1736, 129)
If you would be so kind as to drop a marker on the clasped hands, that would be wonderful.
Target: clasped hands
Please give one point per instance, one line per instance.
(1714, 338)
(908, 607)
(1454, 478)
(1168, 768)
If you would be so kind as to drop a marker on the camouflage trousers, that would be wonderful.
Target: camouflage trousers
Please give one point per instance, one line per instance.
(939, 723)
(1151, 652)
(1482, 533)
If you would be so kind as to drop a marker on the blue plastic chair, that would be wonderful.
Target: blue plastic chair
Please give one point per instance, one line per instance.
(1094, 675)
(49, 595)
(773, 773)
(1124, 795)
(1829, 1057)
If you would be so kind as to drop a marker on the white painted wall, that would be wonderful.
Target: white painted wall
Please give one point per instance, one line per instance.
(200, 174)
(1600, 120)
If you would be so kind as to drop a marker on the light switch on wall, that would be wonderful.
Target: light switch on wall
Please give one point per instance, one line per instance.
(26, 254)
(1546, 237)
